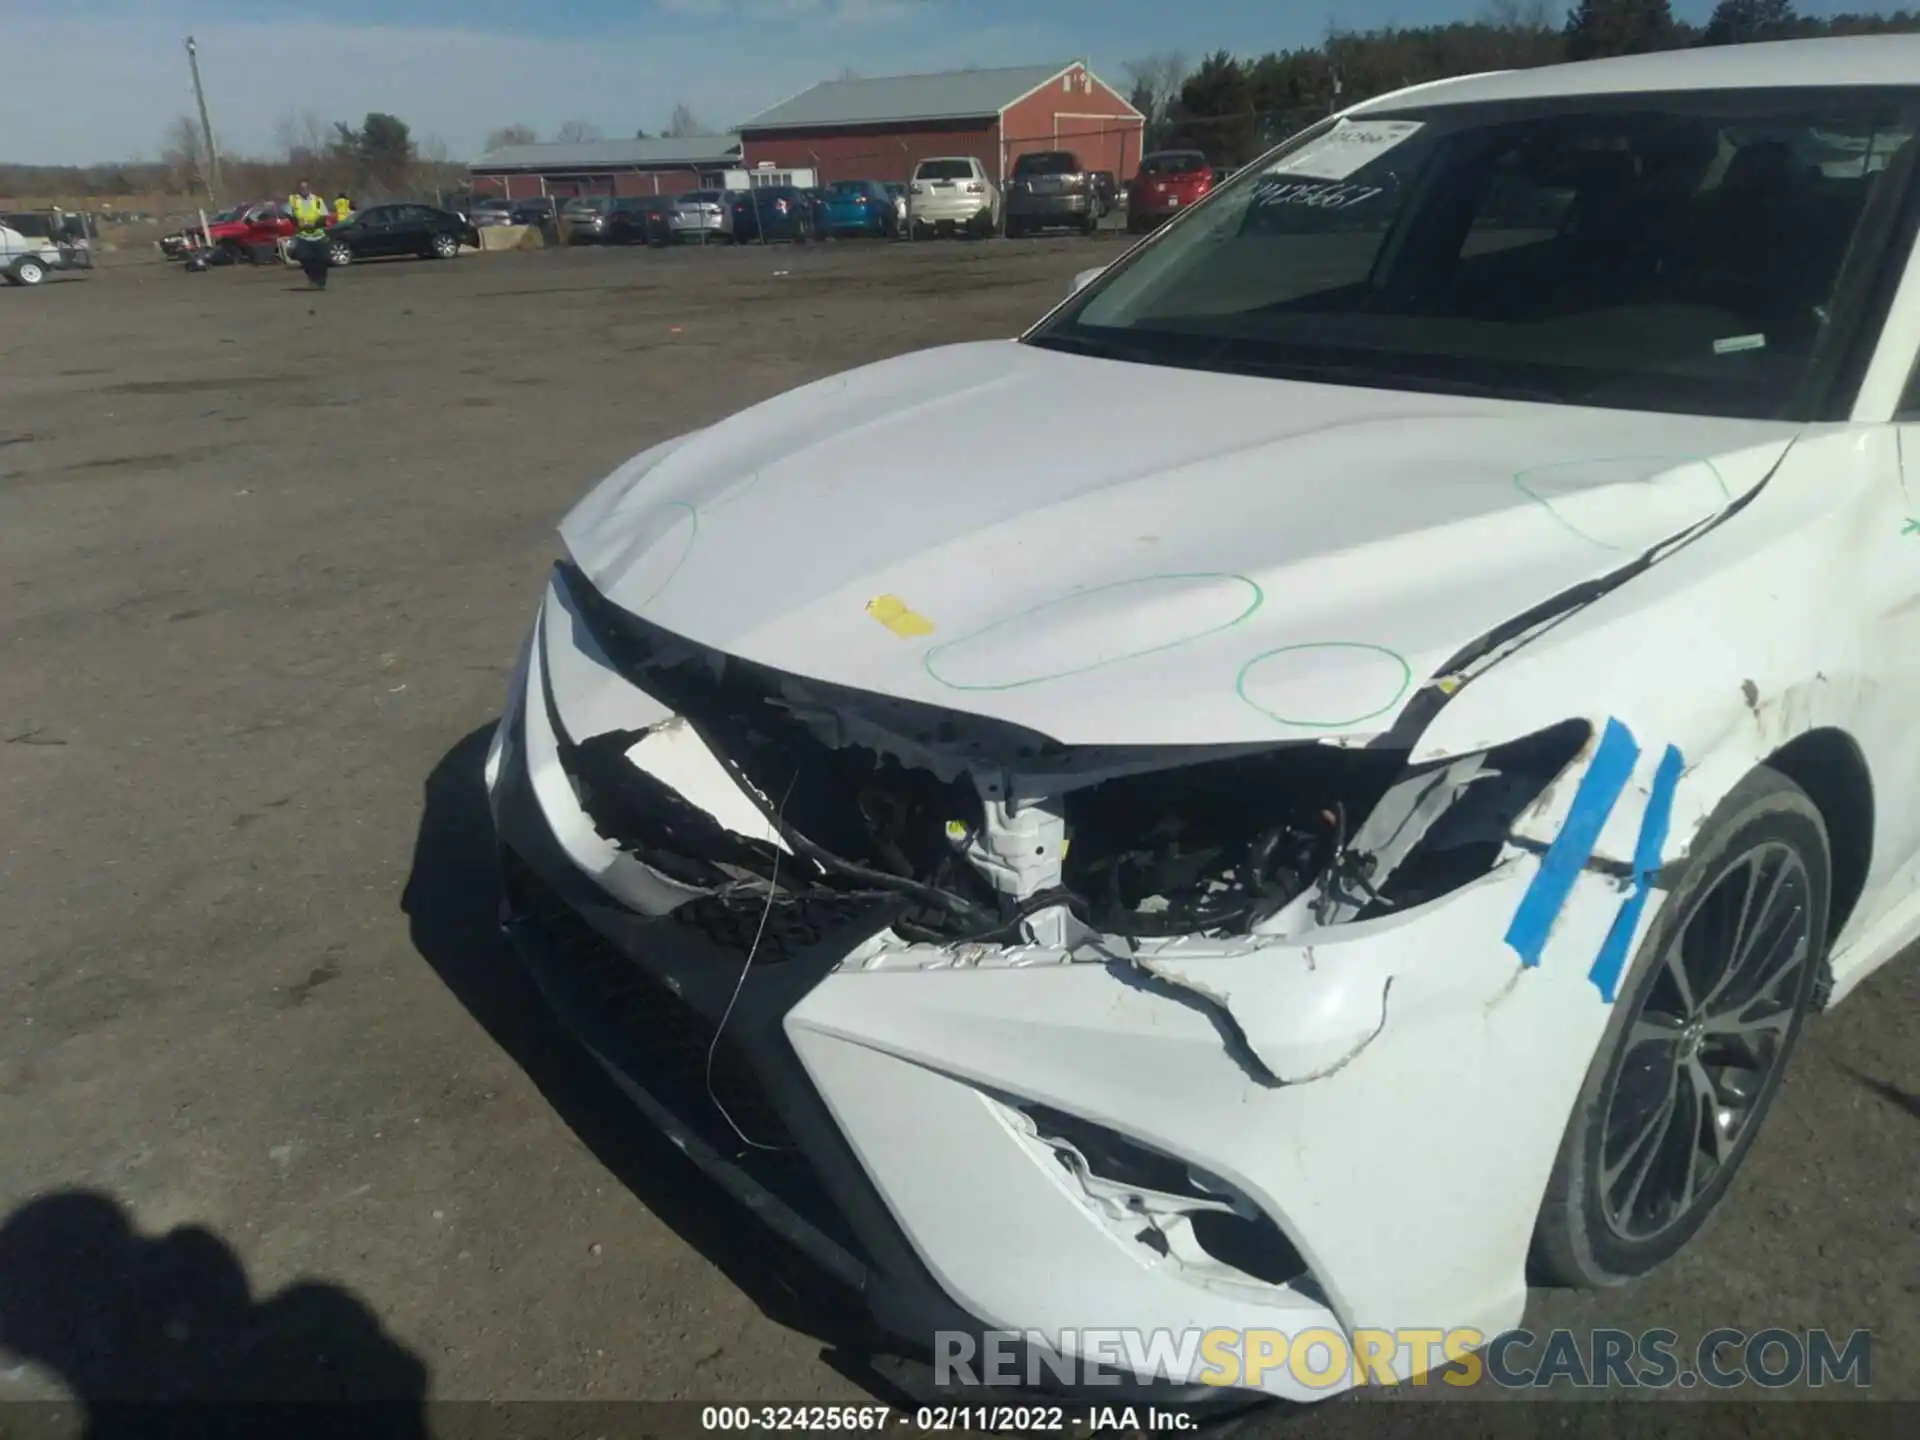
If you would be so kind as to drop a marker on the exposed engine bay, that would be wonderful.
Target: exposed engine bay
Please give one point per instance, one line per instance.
(978, 830)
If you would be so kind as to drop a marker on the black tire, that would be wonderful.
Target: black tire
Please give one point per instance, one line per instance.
(338, 254)
(27, 270)
(1585, 1236)
(444, 247)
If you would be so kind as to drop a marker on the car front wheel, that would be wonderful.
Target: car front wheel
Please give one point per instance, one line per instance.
(27, 271)
(339, 253)
(445, 247)
(1705, 1020)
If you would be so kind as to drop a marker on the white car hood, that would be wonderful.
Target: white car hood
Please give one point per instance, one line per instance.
(1113, 553)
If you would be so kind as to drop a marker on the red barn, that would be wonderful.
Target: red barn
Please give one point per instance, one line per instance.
(881, 129)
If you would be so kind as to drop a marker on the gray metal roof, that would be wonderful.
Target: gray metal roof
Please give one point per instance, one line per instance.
(954, 95)
(695, 151)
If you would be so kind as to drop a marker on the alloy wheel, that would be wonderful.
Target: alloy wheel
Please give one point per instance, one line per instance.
(1711, 1031)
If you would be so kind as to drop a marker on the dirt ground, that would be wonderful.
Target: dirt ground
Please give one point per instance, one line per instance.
(265, 560)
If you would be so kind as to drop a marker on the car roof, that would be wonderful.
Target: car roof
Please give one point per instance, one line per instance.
(1844, 60)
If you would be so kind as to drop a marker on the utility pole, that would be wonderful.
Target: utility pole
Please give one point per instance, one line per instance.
(206, 127)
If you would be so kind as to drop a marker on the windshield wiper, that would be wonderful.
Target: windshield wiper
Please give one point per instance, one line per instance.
(1103, 348)
(1384, 378)
(1228, 356)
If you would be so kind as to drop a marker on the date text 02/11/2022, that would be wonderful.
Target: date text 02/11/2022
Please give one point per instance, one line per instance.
(1035, 1419)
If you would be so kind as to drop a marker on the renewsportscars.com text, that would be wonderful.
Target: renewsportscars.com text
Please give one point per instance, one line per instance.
(1322, 1358)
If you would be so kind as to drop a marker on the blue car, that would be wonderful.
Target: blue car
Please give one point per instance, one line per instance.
(859, 207)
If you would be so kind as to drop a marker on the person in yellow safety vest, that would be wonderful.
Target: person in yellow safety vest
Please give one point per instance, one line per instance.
(309, 213)
(342, 208)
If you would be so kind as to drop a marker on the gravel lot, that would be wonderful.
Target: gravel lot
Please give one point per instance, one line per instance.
(265, 560)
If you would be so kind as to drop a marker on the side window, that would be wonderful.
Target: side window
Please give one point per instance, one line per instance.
(1516, 209)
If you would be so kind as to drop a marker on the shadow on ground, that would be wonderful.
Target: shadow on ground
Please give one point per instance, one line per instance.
(1900, 1099)
(452, 905)
(161, 1336)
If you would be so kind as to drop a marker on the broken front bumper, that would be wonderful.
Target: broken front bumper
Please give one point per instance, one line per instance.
(1380, 1102)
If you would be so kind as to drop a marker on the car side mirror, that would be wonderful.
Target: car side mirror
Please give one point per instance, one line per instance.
(1085, 278)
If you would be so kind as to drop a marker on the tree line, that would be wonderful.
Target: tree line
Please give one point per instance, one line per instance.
(377, 159)
(1233, 107)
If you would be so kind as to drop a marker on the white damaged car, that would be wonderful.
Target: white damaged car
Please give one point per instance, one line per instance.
(1362, 837)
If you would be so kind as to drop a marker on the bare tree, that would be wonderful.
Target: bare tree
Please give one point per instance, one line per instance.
(510, 135)
(303, 138)
(572, 132)
(183, 150)
(682, 124)
(1153, 84)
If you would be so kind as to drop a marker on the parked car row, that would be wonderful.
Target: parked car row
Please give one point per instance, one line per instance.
(948, 195)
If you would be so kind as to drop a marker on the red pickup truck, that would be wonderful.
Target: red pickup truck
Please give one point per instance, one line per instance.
(249, 232)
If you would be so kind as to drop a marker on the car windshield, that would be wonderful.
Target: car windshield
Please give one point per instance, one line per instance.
(1682, 254)
(848, 187)
(944, 170)
(1174, 163)
(1053, 162)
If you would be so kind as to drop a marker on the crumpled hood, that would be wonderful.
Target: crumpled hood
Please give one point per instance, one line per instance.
(1114, 553)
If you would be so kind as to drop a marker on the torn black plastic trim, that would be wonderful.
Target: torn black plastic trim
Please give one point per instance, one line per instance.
(1225, 1224)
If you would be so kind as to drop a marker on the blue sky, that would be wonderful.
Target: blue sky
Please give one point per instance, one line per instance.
(87, 80)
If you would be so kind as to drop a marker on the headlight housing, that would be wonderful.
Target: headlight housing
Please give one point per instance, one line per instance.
(1304, 834)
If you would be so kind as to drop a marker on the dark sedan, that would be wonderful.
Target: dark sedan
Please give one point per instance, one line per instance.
(641, 220)
(382, 230)
(780, 212)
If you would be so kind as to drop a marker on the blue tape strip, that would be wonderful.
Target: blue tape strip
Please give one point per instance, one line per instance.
(1612, 959)
(1600, 787)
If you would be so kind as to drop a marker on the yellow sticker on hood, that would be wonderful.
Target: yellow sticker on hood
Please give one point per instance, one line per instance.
(899, 617)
